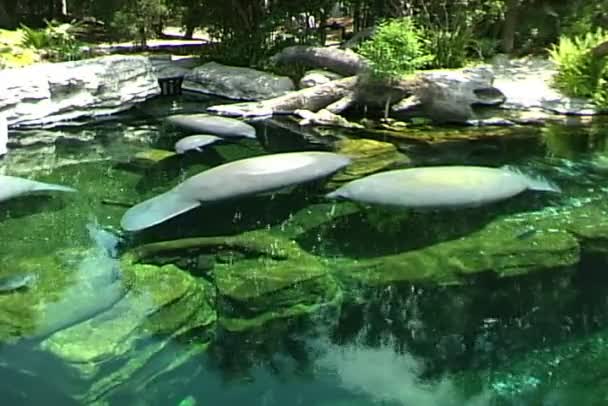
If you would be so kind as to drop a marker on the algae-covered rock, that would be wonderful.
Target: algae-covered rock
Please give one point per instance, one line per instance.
(68, 288)
(368, 156)
(114, 348)
(254, 291)
(259, 276)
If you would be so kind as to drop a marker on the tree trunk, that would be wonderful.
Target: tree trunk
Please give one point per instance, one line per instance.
(313, 99)
(189, 34)
(344, 62)
(508, 30)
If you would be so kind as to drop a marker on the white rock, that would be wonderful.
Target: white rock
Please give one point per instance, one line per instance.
(48, 93)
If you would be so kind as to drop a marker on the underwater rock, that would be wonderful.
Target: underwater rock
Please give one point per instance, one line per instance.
(11, 187)
(257, 290)
(235, 82)
(233, 180)
(259, 277)
(150, 157)
(137, 340)
(368, 156)
(209, 124)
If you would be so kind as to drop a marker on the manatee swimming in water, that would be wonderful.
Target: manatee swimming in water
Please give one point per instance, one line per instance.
(236, 179)
(15, 282)
(209, 124)
(12, 186)
(441, 187)
(195, 142)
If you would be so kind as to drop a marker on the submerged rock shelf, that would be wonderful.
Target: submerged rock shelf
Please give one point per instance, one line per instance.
(446, 286)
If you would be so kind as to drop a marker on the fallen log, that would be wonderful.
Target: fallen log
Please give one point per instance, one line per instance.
(344, 62)
(238, 243)
(312, 98)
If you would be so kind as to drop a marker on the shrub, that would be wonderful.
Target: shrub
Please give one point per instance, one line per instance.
(397, 48)
(581, 74)
(56, 40)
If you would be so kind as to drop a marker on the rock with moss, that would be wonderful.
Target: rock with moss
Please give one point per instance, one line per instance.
(63, 293)
(138, 339)
(368, 156)
(259, 276)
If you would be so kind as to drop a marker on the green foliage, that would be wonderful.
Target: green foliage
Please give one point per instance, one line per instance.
(139, 20)
(584, 16)
(580, 73)
(397, 48)
(56, 40)
(453, 29)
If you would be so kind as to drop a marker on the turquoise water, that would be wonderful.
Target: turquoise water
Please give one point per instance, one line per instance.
(522, 322)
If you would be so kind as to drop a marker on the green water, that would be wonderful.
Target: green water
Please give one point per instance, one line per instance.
(353, 305)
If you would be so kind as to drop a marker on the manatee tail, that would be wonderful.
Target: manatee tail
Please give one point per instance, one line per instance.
(156, 210)
(535, 182)
(51, 187)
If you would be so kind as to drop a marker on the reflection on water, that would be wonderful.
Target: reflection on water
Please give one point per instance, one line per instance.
(369, 312)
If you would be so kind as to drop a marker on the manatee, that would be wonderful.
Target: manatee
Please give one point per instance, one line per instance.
(441, 187)
(195, 142)
(208, 124)
(12, 186)
(16, 282)
(232, 180)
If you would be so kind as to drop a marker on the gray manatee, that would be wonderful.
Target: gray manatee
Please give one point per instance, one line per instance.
(225, 127)
(195, 142)
(441, 187)
(232, 180)
(12, 186)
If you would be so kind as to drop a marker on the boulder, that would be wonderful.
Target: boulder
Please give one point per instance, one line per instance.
(235, 82)
(48, 93)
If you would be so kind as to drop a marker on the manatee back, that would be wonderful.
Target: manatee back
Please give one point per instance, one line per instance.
(260, 175)
(434, 187)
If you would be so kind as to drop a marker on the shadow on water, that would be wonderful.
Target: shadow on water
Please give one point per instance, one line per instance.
(24, 206)
(26, 377)
(376, 231)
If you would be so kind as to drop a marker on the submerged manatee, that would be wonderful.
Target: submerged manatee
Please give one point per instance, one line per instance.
(16, 282)
(441, 187)
(209, 124)
(236, 179)
(195, 142)
(12, 186)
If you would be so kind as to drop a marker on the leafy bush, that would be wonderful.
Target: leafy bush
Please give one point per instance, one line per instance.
(581, 74)
(56, 40)
(397, 48)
